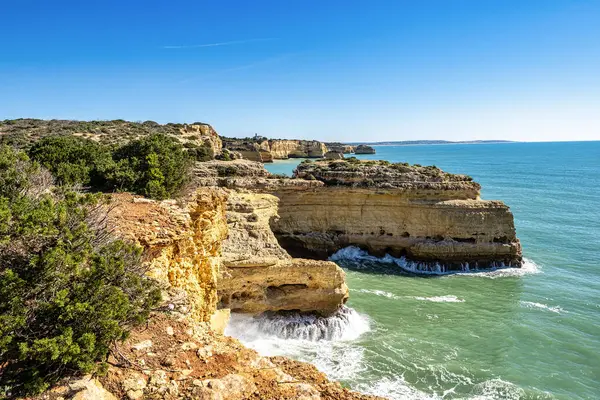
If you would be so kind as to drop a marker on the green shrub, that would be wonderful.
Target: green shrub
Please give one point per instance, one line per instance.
(67, 290)
(156, 166)
(199, 153)
(73, 160)
(226, 171)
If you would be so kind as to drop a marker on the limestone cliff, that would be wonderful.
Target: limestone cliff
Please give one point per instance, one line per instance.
(340, 147)
(364, 149)
(262, 150)
(182, 245)
(283, 149)
(202, 135)
(258, 275)
(422, 213)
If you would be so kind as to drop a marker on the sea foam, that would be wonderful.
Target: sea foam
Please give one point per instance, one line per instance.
(495, 270)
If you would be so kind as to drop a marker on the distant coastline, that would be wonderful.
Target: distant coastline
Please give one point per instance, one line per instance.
(418, 142)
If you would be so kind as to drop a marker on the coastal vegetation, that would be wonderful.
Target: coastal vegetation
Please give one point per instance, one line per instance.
(68, 288)
(155, 166)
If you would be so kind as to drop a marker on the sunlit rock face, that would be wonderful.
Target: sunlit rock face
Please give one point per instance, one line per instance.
(258, 275)
(421, 213)
(182, 243)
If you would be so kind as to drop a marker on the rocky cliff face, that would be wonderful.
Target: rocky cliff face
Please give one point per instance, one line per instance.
(269, 150)
(421, 213)
(202, 135)
(340, 147)
(364, 149)
(283, 149)
(212, 240)
(258, 275)
(182, 245)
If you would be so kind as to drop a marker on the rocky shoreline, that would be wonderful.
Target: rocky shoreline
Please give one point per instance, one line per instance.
(243, 240)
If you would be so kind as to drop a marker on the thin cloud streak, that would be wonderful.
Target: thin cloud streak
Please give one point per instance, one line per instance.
(242, 67)
(197, 46)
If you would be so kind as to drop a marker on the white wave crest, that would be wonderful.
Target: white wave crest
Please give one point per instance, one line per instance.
(496, 389)
(345, 324)
(540, 306)
(395, 388)
(494, 270)
(380, 293)
(441, 299)
(327, 343)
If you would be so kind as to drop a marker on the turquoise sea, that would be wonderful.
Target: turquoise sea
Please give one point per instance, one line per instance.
(532, 333)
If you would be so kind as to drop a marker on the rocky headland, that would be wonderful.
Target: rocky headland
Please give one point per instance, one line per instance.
(431, 217)
(266, 150)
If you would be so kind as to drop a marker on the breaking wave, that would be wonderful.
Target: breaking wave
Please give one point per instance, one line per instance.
(328, 343)
(540, 306)
(441, 299)
(345, 324)
(363, 260)
(380, 293)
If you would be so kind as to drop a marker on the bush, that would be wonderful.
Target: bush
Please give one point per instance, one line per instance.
(199, 153)
(73, 160)
(156, 166)
(67, 290)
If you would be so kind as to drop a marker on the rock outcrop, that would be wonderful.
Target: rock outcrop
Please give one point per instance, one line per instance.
(179, 353)
(340, 147)
(284, 149)
(364, 149)
(334, 155)
(258, 275)
(182, 245)
(202, 135)
(249, 149)
(421, 213)
(263, 150)
(172, 358)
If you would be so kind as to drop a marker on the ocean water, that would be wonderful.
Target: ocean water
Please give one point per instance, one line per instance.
(532, 333)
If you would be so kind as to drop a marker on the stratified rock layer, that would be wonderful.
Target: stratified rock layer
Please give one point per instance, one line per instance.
(422, 213)
(283, 149)
(263, 150)
(258, 275)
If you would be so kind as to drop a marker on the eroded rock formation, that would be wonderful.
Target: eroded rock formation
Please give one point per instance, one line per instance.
(202, 135)
(340, 147)
(182, 245)
(258, 275)
(364, 149)
(283, 149)
(334, 155)
(263, 150)
(422, 213)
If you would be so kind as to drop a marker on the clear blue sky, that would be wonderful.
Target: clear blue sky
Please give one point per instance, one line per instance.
(333, 70)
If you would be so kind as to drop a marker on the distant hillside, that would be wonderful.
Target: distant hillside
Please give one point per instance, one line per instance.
(413, 142)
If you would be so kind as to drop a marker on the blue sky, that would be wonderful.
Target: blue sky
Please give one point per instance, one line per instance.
(330, 70)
